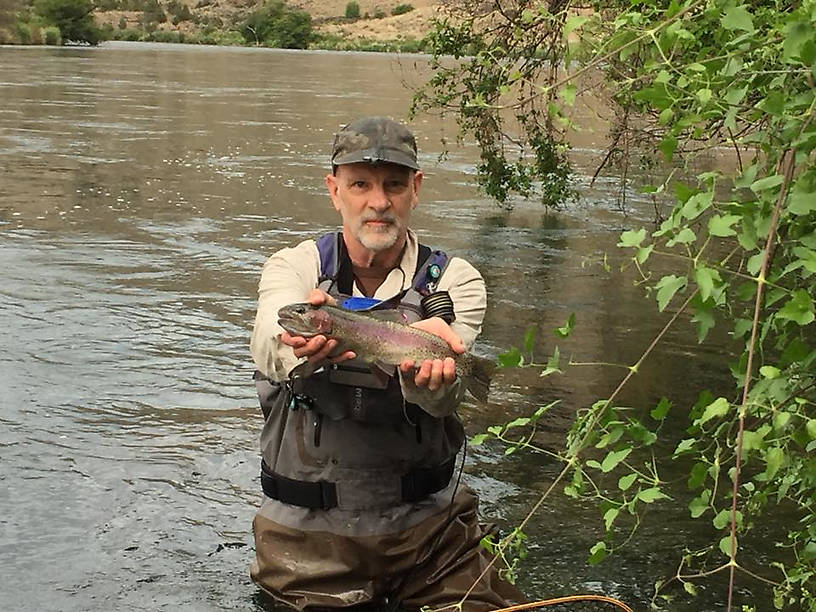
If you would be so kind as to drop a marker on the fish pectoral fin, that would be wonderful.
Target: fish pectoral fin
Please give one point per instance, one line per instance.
(383, 371)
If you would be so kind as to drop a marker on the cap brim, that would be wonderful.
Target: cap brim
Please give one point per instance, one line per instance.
(374, 156)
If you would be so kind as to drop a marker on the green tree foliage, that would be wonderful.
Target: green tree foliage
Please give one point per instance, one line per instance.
(687, 77)
(74, 18)
(352, 10)
(276, 25)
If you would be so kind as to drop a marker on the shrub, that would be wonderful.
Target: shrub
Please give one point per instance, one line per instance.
(352, 10)
(23, 32)
(378, 13)
(51, 35)
(74, 18)
(401, 9)
(122, 22)
(276, 25)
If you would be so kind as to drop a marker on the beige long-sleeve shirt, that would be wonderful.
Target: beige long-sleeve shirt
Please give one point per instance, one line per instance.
(290, 274)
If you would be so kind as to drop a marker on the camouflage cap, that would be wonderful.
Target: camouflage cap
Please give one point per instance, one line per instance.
(375, 139)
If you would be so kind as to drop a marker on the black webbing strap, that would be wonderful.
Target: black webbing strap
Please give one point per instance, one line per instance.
(420, 483)
(416, 485)
(319, 494)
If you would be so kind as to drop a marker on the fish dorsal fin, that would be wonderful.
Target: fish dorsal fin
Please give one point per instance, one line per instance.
(394, 316)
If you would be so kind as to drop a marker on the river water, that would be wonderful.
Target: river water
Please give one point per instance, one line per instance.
(142, 186)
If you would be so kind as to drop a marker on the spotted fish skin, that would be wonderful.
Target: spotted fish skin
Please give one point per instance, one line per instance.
(376, 338)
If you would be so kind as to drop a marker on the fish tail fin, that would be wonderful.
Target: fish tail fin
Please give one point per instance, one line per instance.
(478, 383)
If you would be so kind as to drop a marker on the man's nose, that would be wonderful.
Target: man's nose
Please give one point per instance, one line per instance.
(379, 199)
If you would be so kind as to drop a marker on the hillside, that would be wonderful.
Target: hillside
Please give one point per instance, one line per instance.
(376, 22)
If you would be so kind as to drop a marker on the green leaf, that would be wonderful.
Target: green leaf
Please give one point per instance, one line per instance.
(667, 287)
(704, 96)
(660, 411)
(798, 309)
(720, 225)
(650, 495)
(689, 588)
(737, 18)
(722, 519)
(597, 553)
(684, 446)
(529, 338)
(769, 182)
(774, 459)
(699, 505)
(610, 516)
(705, 281)
(725, 546)
(478, 439)
(624, 482)
(568, 93)
(668, 146)
(704, 318)
(755, 263)
(781, 420)
(684, 236)
(797, 34)
(573, 23)
(698, 475)
(697, 204)
(613, 458)
(718, 408)
(752, 440)
(769, 372)
(632, 238)
(800, 201)
(519, 422)
(736, 95)
(810, 427)
(566, 330)
(511, 359)
(643, 253)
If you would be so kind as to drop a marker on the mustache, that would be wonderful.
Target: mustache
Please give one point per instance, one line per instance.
(386, 218)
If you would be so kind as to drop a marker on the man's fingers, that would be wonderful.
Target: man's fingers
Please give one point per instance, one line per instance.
(293, 341)
(343, 357)
(449, 370)
(318, 297)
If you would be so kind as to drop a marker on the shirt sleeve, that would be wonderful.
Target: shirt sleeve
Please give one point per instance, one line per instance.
(467, 290)
(287, 277)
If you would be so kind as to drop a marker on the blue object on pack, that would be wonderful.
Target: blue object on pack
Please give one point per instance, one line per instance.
(360, 303)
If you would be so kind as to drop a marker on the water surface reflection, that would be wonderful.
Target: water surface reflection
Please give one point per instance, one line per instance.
(141, 188)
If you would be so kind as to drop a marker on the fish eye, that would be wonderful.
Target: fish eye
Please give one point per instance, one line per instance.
(300, 308)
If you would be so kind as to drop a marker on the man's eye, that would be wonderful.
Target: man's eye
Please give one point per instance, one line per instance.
(358, 184)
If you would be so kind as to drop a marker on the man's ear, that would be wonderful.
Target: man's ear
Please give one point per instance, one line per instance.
(417, 185)
(332, 186)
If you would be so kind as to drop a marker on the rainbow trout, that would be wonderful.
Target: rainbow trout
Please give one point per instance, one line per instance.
(376, 338)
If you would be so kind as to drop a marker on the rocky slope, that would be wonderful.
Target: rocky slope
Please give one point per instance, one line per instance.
(328, 17)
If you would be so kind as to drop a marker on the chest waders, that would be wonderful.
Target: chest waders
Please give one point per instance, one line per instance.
(357, 443)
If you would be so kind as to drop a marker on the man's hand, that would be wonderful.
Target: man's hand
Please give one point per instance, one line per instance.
(317, 348)
(433, 373)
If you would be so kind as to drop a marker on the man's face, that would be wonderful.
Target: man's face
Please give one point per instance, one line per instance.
(375, 201)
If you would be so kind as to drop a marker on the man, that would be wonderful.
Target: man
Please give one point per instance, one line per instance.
(362, 507)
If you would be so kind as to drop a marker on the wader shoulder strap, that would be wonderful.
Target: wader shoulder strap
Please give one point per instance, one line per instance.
(335, 265)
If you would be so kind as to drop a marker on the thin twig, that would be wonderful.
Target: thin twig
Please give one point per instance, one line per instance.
(789, 158)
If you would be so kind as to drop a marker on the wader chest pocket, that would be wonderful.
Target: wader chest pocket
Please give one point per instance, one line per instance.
(356, 375)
